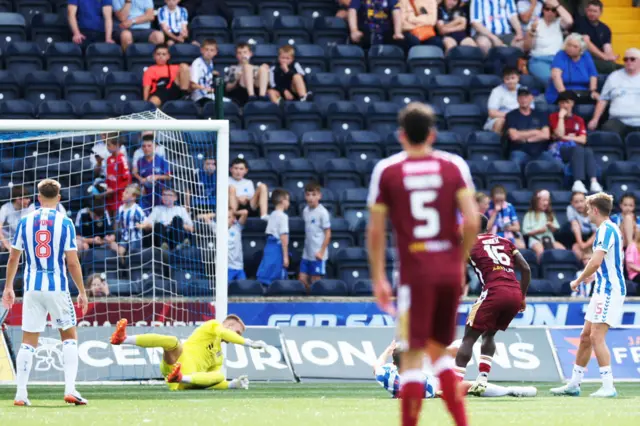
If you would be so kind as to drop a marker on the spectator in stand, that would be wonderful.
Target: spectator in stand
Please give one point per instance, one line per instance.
(129, 216)
(545, 38)
(584, 232)
(483, 202)
(374, 22)
(208, 178)
(453, 25)
(11, 213)
(151, 171)
(573, 69)
(163, 82)
(632, 259)
(540, 223)
(202, 73)
(528, 11)
(241, 80)
(622, 89)
(597, 36)
(173, 20)
(495, 23)
(275, 258)
(135, 18)
(97, 286)
(627, 220)
(503, 219)
(503, 99)
(94, 227)
(172, 225)
(236, 262)
(527, 131)
(343, 9)
(570, 135)
(286, 78)
(118, 176)
(317, 236)
(243, 195)
(90, 22)
(419, 19)
(139, 153)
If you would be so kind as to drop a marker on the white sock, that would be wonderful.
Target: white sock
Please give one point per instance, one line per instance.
(70, 356)
(186, 379)
(576, 376)
(607, 377)
(495, 391)
(24, 361)
(233, 384)
(129, 340)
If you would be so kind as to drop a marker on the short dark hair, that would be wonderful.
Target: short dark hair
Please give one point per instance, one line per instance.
(595, 3)
(242, 45)
(312, 186)
(417, 121)
(209, 42)
(507, 71)
(148, 137)
(18, 191)
(498, 188)
(49, 188)
(396, 357)
(160, 46)
(484, 221)
(628, 195)
(278, 195)
(239, 160)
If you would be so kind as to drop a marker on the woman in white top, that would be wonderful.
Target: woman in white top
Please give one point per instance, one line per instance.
(11, 213)
(544, 38)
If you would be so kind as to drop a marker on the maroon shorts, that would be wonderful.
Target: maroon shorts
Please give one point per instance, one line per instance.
(495, 308)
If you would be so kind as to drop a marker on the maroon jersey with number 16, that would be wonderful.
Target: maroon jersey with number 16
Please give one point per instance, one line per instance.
(492, 257)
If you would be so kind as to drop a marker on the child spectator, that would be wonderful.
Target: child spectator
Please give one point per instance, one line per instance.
(173, 21)
(118, 175)
(236, 261)
(208, 179)
(129, 216)
(97, 286)
(583, 230)
(94, 227)
(172, 225)
(151, 171)
(503, 219)
(503, 99)
(158, 149)
(626, 219)
(241, 80)
(163, 82)
(275, 259)
(483, 202)
(317, 236)
(540, 223)
(286, 78)
(453, 24)
(585, 288)
(202, 73)
(100, 153)
(11, 213)
(242, 193)
(632, 259)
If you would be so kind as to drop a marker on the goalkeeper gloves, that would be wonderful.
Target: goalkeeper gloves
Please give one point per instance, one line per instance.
(255, 344)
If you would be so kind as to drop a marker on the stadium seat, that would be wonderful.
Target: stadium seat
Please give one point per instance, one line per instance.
(465, 60)
(6, 7)
(272, 10)
(245, 288)
(632, 143)
(326, 88)
(343, 116)
(139, 56)
(62, 58)
(632, 288)
(311, 57)
(131, 107)
(340, 174)
(362, 288)
(607, 147)
(585, 111)
(484, 146)
(291, 30)
(328, 30)
(210, 27)
(80, 87)
(12, 29)
(544, 175)
(296, 173)
(254, 229)
(448, 90)
(9, 86)
(182, 110)
(499, 57)
(483, 84)
(351, 265)
(478, 171)
(329, 288)
(406, 88)
(505, 173)
(48, 28)
(56, 110)
(97, 110)
(542, 288)
(353, 204)
(241, 7)
(184, 53)
(559, 266)
(243, 144)
(30, 8)
(532, 260)
(192, 285)
(535, 85)
(231, 113)
(360, 146)
(382, 118)
(103, 58)
(320, 146)
(426, 60)
(450, 142)
(265, 53)
(261, 170)
(521, 200)
(341, 235)
(41, 86)
(300, 117)
(386, 59)
(366, 89)
(464, 119)
(347, 59)
(22, 57)
(278, 146)
(260, 116)
(250, 28)
(122, 86)
(316, 8)
(623, 175)
(16, 109)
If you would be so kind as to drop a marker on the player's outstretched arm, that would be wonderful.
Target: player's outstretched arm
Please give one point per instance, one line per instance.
(522, 266)
(384, 356)
(590, 269)
(73, 265)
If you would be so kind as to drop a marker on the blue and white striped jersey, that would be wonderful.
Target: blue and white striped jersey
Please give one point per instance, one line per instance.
(617, 219)
(202, 75)
(127, 219)
(389, 378)
(494, 15)
(45, 235)
(174, 19)
(610, 275)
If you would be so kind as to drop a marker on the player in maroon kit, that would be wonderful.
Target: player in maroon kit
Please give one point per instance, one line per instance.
(494, 259)
(421, 190)
(118, 176)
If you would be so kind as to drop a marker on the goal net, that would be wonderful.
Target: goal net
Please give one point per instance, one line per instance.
(146, 170)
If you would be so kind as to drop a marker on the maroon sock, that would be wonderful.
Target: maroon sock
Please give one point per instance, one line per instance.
(455, 403)
(411, 395)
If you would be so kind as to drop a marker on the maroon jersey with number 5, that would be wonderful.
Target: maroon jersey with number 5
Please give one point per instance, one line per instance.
(420, 196)
(492, 257)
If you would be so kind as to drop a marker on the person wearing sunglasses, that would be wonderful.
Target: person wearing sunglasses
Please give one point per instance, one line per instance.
(597, 35)
(622, 90)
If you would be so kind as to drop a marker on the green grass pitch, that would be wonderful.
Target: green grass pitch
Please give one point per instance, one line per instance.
(297, 404)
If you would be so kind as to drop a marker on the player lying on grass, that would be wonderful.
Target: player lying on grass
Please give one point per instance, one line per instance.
(196, 363)
(387, 375)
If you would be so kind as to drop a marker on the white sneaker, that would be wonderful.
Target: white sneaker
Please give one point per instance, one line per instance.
(523, 391)
(578, 186)
(241, 382)
(75, 398)
(566, 390)
(604, 393)
(595, 186)
(477, 388)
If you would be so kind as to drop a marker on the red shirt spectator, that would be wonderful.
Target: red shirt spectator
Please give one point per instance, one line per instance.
(118, 177)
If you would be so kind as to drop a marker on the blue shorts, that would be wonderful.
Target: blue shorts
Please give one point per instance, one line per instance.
(236, 274)
(316, 268)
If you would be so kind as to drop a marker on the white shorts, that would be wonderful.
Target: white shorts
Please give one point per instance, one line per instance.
(37, 304)
(605, 309)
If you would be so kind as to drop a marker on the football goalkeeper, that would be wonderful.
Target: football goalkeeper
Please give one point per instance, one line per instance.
(196, 364)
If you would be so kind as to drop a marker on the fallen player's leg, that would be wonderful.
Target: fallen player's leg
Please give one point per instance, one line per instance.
(205, 380)
(495, 391)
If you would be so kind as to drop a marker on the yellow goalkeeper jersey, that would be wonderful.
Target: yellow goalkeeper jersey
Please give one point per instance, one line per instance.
(203, 349)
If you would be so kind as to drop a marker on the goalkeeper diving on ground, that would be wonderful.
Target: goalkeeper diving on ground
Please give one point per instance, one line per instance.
(196, 363)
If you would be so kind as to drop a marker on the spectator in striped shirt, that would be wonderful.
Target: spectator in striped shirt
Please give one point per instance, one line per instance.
(173, 21)
(496, 23)
(202, 73)
(286, 78)
(130, 214)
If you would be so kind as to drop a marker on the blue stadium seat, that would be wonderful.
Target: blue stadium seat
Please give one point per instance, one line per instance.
(499, 57)
(278, 146)
(30, 8)
(312, 58)
(316, 8)
(286, 288)
(360, 146)
(521, 200)
(450, 142)
(252, 254)
(607, 147)
(478, 171)
(296, 173)
(362, 288)
(97, 110)
(559, 266)
(300, 117)
(464, 119)
(340, 174)
(623, 175)
(541, 288)
(123, 86)
(382, 118)
(182, 110)
(22, 57)
(242, 7)
(320, 146)
(532, 260)
(48, 28)
(12, 28)
(366, 88)
(353, 204)
(351, 265)
(465, 60)
(448, 90)
(484, 146)
(426, 60)
(544, 175)
(329, 288)
(103, 58)
(391, 144)
(585, 111)
(265, 53)
(328, 30)
(243, 144)
(261, 170)
(632, 288)
(41, 86)
(139, 56)
(272, 10)
(245, 288)
(184, 53)
(254, 229)
(260, 116)
(226, 55)
(56, 110)
(231, 113)
(210, 27)
(291, 30)
(343, 116)
(341, 235)
(535, 85)
(406, 88)
(5, 7)
(190, 284)
(632, 143)
(483, 84)
(505, 173)
(386, 59)
(131, 107)
(64, 57)
(9, 86)
(80, 87)
(16, 109)
(347, 59)
(326, 87)
(246, 28)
